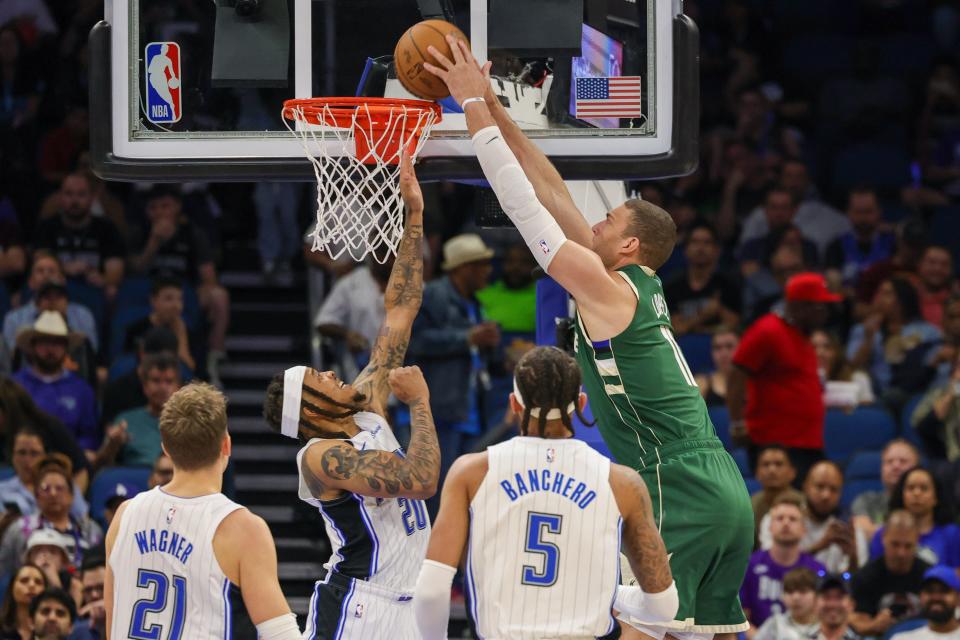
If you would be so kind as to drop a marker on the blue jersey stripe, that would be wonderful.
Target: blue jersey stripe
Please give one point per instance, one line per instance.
(343, 611)
(227, 612)
(375, 554)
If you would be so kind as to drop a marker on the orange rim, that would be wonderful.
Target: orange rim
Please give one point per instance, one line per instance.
(346, 111)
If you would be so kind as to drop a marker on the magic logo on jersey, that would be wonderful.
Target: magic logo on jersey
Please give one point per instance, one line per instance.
(162, 62)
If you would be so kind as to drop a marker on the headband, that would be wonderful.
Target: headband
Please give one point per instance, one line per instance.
(553, 414)
(292, 395)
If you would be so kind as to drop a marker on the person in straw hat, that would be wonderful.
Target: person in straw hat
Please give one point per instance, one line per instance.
(54, 388)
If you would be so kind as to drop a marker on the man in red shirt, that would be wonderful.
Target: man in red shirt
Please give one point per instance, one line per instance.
(774, 393)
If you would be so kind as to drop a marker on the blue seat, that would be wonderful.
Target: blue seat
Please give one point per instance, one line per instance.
(696, 351)
(721, 422)
(907, 431)
(900, 627)
(6, 472)
(854, 488)
(882, 165)
(863, 465)
(743, 461)
(865, 428)
(752, 484)
(89, 296)
(121, 320)
(105, 482)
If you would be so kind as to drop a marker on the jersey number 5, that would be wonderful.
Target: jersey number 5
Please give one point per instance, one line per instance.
(157, 604)
(539, 524)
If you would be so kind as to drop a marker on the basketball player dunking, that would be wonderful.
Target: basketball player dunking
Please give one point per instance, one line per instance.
(641, 391)
(174, 551)
(369, 493)
(543, 513)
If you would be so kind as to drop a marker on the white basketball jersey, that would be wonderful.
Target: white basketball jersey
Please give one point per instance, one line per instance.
(167, 583)
(543, 555)
(380, 540)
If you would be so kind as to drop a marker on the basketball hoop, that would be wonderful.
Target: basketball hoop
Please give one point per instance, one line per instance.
(354, 145)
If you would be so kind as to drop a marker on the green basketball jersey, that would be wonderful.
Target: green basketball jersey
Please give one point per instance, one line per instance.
(641, 390)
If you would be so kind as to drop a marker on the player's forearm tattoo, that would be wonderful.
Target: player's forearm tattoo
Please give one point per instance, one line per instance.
(388, 473)
(645, 548)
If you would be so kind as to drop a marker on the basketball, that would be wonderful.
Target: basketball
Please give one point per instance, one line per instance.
(411, 53)
(174, 83)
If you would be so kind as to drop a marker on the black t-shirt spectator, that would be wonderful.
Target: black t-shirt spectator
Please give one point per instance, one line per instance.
(875, 588)
(683, 300)
(93, 244)
(180, 256)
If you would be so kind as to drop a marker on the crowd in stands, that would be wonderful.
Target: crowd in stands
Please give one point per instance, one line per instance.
(813, 291)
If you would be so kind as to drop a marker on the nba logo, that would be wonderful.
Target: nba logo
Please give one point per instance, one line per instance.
(163, 82)
(544, 247)
(358, 612)
(172, 512)
(551, 454)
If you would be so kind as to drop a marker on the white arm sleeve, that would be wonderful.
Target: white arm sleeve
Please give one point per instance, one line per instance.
(634, 603)
(431, 599)
(517, 196)
(280, 628)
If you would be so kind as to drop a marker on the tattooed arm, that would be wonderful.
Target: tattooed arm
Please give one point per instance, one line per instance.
(401, 299)
(383, 474)
(642, 543)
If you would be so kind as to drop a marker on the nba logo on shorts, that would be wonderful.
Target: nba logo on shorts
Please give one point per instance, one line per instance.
(162, 61)
(358, 612)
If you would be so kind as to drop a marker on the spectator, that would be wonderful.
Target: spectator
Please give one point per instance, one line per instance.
(453, 344)
(701, 296)
(56, 390)
(763, 290)
(921, 493)
(134, 440)
(939, 600)
(19, 491)
(818, 221)
(799, 621)
(278, 237)
(166, 310)
(844, 386)
(511, 301)
(780, 207)
(713, 385)
(61, 148)
(51, 551)
(936, 419)
(775, 376)
(775, 473)
(53, 613)
(25, 584)
(175, 247)
(745, 181)
(894, 342)
(120, 493)
(945, 356)
(90, 249)
(18, 410)
(866, 244)
(869, 509)
(353, 311)
(763, 584)
(93, 613)
(20, 84)
(45, 276)
(834, 607)
(126, 391)
(162, 471)
(54, 499)
(886, 590)
(833, 542)
(911, 240)
(935, 273)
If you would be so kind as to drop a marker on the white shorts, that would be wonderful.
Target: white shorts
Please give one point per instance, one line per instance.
(343, 608)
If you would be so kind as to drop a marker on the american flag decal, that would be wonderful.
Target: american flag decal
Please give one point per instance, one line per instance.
(608, 97)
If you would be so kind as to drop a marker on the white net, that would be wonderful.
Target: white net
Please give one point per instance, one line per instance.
(359, 207)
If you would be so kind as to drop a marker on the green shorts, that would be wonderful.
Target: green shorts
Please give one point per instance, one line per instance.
(703, 510)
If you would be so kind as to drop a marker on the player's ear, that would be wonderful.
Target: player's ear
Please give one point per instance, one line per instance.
(226, 446)
(630, 245)
(582, 401)
(515, 406)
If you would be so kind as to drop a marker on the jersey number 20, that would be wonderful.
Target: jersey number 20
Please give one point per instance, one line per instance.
(157, 604)
(538, 525)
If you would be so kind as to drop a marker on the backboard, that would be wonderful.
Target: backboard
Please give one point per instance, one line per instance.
(193, 90)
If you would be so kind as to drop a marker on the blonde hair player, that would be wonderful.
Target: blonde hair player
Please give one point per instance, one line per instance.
(173, 552)
(543, 513)
(352, 469)
(643, 394)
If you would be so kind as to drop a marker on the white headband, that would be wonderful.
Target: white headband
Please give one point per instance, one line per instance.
(292, 393)
(553, 414)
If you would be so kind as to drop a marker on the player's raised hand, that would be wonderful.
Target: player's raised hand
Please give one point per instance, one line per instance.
(409, 186)
(408, 385)
(464, 77)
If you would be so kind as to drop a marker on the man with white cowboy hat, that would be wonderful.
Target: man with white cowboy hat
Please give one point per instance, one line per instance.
(52, 386)
(453, 344)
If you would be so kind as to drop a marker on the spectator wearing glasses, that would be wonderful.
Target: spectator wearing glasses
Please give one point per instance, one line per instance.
(162, 472)
(93, 612)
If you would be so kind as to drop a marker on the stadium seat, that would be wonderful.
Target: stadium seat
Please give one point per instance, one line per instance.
(753, 485)
(696, 351)
(908, 625)
(105, 481)
(883, 165)
(743, 461)
(865, 428)
(721, 422)
(854, 488)
(863, 465)
(123, 318)
(89, 296)
(6, 472)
